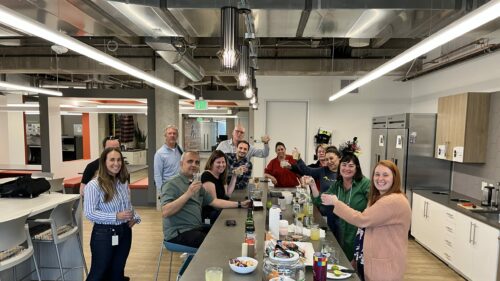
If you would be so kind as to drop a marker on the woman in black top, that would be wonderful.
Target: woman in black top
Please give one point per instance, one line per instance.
(214, 182)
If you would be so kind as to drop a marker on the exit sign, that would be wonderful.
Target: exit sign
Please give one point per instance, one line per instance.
(200, 105)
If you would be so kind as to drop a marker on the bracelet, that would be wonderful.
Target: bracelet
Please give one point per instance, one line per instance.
(239, 204)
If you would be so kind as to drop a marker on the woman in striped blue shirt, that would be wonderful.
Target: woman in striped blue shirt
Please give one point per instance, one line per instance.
(107, 204)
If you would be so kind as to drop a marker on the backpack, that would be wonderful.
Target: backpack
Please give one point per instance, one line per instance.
(24, 187)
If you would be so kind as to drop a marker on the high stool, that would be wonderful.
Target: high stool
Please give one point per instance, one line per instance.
(15, 244)
(62, 225)
(175, 248)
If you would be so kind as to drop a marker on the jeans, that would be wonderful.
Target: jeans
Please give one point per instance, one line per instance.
(191, 238)
(108, 261)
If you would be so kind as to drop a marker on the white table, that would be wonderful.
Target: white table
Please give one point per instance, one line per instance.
(12, 207)
(4, 180)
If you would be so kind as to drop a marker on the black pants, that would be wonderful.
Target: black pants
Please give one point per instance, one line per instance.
(108, 261)
(192, 238)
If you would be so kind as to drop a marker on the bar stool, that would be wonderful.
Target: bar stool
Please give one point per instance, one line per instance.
(57, 185)
(63, 226)
(15, 244)
(175, 248)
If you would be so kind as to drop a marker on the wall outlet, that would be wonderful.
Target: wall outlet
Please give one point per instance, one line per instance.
(483, 184)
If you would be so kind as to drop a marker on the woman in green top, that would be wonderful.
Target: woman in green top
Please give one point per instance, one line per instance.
(351, 187)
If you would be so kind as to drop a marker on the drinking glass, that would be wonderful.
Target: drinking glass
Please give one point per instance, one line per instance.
(213, 274)
(196, 177)
(315, 232)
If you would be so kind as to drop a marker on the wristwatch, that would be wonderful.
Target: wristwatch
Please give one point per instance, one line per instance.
(239, 204)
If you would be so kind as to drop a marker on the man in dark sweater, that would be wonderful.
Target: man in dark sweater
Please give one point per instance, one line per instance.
(92, 167)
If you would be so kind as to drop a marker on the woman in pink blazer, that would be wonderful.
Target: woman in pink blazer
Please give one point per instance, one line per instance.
(386, 221)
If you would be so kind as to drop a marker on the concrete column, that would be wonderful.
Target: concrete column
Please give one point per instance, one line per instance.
(167, 103)
(166, 113)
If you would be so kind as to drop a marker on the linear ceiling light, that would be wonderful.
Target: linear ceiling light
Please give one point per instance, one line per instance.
(212, 116)
(10, 86)
(122, 106)
(28, 105)
(229, 29)
(27, 25)
(474, 19)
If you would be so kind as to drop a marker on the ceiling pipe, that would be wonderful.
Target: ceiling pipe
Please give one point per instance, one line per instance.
(178, 59)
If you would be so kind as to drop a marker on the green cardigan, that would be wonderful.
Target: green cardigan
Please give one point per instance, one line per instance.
(356, 198)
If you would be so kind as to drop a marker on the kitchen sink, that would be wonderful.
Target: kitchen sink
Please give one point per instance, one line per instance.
(440, 192)
(486, 211)
(460, 200)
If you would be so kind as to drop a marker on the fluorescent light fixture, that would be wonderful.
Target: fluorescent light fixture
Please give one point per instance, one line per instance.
(28, 105)
(63, 87)
(192, 107)
(474, 19)
(27, 25)
(212, 116)
(15, 87)
(71, 113)
(122, 106)
(32, 112)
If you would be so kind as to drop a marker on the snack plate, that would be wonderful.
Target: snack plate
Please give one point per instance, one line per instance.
(330, 274)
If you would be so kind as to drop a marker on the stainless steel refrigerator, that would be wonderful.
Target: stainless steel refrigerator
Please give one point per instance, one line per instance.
(408, 141)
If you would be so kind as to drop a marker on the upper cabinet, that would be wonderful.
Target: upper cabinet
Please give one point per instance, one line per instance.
(462, 127)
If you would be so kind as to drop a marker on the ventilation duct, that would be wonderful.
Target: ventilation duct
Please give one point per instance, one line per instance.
(174, 52)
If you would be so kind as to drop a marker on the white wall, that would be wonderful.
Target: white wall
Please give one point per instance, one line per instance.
(477, 75)
(347, 117)
(12, 128)
(68, 169)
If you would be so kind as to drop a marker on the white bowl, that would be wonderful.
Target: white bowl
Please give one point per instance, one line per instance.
(244, 270)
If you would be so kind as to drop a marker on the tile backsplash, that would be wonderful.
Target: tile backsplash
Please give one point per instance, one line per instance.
(467, 178)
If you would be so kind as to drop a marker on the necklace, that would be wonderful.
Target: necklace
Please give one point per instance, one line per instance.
(350, 194)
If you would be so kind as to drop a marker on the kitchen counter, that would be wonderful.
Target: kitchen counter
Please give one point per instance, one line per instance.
(445, 200)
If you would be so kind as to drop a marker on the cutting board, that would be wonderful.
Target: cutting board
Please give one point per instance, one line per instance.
(468, 206)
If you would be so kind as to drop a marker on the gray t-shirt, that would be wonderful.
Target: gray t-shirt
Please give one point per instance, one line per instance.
(189, 216)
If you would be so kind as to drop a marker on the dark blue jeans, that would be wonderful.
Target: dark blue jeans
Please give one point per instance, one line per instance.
(108, 262)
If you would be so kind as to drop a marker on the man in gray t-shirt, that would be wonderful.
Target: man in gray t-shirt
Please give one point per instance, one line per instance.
(182, 200)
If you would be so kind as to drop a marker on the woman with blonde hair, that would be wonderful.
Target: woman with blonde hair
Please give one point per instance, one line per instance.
(386, 221)
(107, 204)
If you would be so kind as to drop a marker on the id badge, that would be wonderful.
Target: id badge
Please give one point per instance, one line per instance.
(114, 240)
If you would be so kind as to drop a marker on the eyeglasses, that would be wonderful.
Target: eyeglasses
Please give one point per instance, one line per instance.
(239, 132)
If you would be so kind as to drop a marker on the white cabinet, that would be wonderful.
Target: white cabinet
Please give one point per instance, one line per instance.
(137, 157)
(466, 244)
(477, 250)
(426, 215)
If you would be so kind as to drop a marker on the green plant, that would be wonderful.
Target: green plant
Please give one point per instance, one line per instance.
(140, 136)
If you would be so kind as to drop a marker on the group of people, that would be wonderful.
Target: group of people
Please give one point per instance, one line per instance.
(370, 218)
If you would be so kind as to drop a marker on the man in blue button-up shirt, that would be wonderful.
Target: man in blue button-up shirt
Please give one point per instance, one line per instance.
(167, 158)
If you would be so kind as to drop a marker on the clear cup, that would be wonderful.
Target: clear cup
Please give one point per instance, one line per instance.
(213, 274)
(284, 163)
(196, 177)
(315, 232)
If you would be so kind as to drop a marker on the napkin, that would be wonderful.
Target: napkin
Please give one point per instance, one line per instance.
(304, 231)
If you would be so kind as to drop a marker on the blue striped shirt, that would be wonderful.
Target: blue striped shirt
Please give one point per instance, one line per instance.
(97, 211)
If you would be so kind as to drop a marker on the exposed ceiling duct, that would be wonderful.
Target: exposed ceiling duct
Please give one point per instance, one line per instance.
(177, 56)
